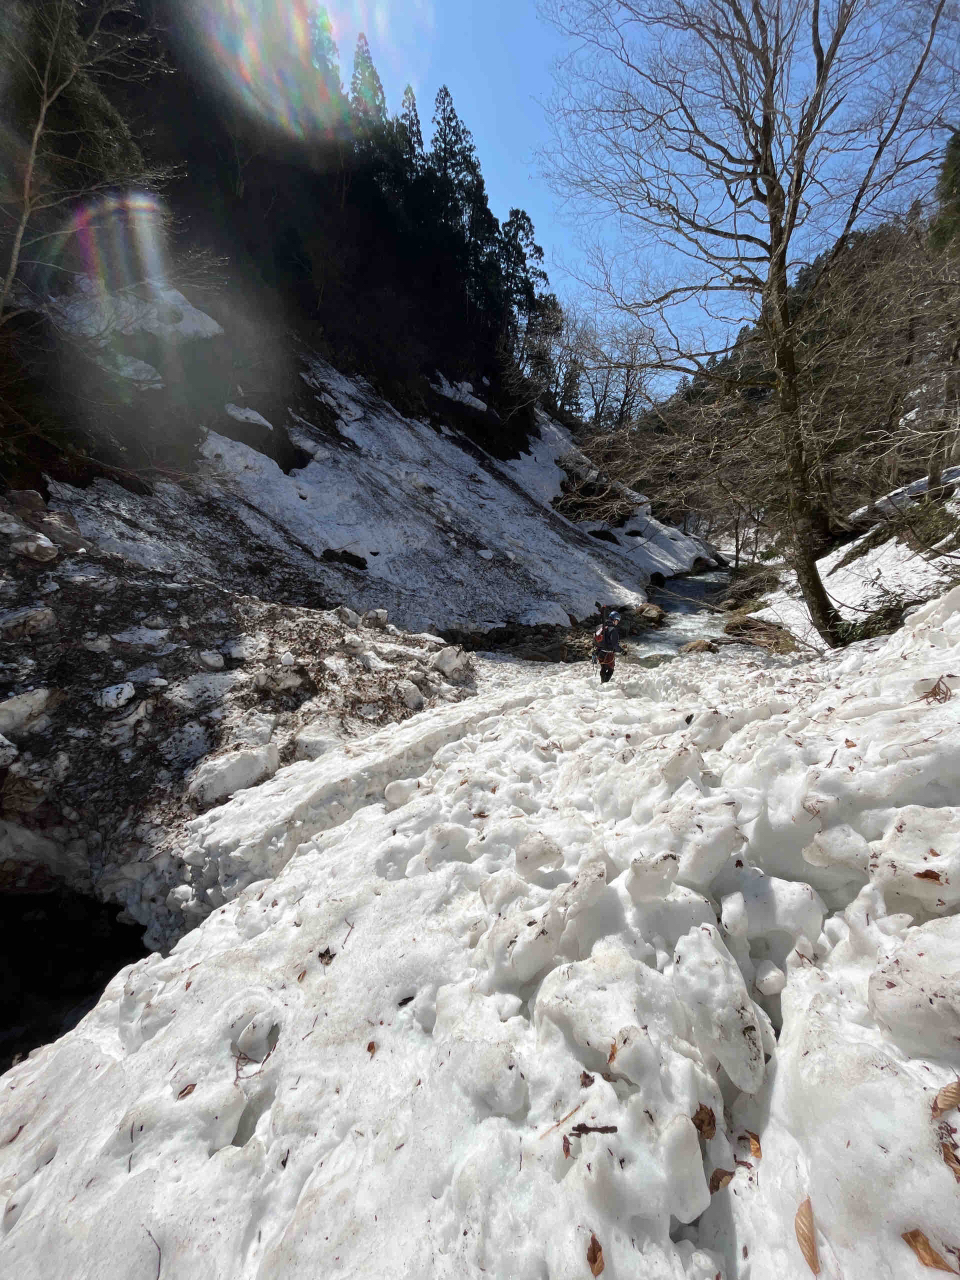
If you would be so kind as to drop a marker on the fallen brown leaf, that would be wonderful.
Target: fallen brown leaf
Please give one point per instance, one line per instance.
(705, 1122)
(950, 1159)
(372, 1048)
(719, 1179)
(927, 1255)
(586, 1080)
(755, 1148)
(186, 1091)
(848, 743)
(806, 1236)
(929, 874)
(566, 1147)
(594, 1256)
(947, 1098)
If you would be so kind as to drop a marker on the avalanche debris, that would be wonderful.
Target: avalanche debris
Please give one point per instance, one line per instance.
(647, 979)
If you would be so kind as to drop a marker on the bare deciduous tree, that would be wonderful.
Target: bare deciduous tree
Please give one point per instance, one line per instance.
(735, 143)
(63, 141)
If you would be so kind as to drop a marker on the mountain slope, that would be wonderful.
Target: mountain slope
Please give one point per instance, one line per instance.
(328, 493)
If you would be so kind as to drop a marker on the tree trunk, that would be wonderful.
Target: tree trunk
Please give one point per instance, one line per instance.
(808, 517)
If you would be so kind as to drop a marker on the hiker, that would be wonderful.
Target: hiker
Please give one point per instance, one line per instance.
(606, 643)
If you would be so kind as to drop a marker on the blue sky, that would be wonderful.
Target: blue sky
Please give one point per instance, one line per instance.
(495, 56)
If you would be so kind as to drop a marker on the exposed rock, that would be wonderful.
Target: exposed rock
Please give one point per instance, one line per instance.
(348, 616)
(26, 500)
(8, 753)
(287, 659)
(550, 653)
(26, 849)
(411, 695)
(35, 546)
(35, 620)
(700, 646)
(17, 711)
(22, 791)
(766, 635)
(116, 695)
(450, 661)
(650, 613)
(211, 660)
(376, 618)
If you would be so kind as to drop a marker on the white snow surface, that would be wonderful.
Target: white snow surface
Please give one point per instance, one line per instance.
(417, 503)
(892, 569)
(243, 413)
(482, 987)
(165, 312)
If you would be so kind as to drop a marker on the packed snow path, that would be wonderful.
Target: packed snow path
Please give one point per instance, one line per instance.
(653, 981)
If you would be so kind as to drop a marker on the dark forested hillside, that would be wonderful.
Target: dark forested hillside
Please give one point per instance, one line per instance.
(367, 233)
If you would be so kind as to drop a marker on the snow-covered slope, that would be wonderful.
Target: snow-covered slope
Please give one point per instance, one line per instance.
(383, 511)
(656, 980)
(869, 573)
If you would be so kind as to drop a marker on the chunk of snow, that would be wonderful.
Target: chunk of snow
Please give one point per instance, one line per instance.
(219, 777)
(245, 414)
(116, 695)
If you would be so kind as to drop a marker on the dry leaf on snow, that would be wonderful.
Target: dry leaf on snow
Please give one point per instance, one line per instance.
(950, 1159)
(926, 1253)
(807, 1236)
(186, 1091)
(947, 1098)
(705, 1122)
(594, 1255)
(755, 1149)
(719, 1179)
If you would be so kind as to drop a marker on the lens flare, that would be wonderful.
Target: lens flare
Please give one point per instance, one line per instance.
(115, 243)
(287, 61)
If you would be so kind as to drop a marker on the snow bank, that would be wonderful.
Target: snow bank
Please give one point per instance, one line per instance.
(389, 512)
(504, 1003)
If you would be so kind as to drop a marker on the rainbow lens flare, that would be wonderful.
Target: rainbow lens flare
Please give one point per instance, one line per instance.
(286, 61)
(117, 242)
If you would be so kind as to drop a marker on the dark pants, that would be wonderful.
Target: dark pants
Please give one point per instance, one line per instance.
(606, 667)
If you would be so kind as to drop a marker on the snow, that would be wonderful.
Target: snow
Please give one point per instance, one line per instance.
(889, 571)
(219, 777)
(460, 391)
(647, 965)
(900, 498)
(115, 696)
(244, 414)
(451, 536)
(166, 313)
(892, 571)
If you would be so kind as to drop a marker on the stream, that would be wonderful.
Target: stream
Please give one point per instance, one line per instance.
(688, 618)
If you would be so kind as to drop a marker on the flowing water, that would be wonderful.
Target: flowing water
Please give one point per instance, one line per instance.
(686, 601)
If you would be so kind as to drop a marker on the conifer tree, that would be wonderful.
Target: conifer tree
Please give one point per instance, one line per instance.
(367, 100)
(521, 257)
(452, 154)
(326, 56)
(946, 226)
(409, 133)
